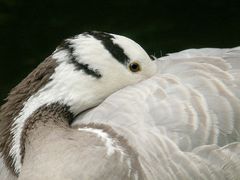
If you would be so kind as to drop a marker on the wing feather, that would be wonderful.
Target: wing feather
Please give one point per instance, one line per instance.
(184, 122)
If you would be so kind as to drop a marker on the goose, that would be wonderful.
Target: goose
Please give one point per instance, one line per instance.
(181, 121)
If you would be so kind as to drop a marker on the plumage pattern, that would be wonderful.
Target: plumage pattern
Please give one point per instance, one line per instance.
(184, 122)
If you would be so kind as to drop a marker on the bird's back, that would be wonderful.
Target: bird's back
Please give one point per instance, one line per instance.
(184, 122)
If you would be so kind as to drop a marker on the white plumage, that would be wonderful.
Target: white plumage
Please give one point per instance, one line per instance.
(184, 121)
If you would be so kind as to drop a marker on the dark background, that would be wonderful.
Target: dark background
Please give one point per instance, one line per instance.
(30, 30)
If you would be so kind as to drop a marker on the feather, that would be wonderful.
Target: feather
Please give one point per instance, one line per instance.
(184, 122)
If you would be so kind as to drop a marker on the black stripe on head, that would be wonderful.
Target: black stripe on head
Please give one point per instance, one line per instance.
(107, 41)
(66, 45)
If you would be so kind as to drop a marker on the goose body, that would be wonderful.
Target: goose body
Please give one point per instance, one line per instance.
(181, 123)
(184, 122)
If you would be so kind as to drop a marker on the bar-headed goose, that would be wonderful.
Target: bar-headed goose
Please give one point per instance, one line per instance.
(182, 123)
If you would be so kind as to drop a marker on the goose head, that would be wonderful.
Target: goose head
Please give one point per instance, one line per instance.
(80, 74)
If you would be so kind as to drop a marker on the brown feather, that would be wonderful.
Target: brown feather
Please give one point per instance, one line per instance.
(15, 102)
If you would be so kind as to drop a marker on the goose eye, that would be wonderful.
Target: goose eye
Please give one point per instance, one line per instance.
(134, 67)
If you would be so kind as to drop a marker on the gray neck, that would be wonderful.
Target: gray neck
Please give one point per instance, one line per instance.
(50, 117)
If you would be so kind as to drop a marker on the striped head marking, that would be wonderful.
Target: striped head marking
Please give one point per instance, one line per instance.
(96, 64)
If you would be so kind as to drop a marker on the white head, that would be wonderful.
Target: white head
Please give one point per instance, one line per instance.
(89, 67)
(93, 65)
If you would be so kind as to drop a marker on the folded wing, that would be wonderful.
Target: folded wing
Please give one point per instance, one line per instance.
(184, 122)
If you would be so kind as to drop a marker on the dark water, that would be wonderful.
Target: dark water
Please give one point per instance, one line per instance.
(30, 30)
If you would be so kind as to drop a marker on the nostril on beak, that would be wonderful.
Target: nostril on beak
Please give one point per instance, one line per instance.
(152, 57)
